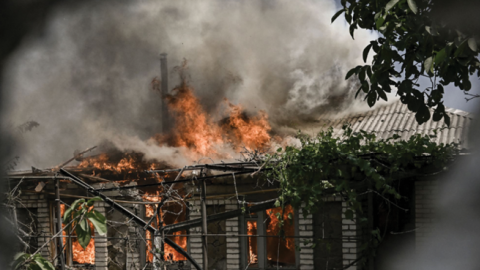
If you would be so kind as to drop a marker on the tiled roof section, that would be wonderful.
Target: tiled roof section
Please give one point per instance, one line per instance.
(395, 118)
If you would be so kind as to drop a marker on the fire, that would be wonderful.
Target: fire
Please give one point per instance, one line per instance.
(80, 255)
(251, 132)
(130, 165)
(196, 130)
(252, 242)
(170, 253)
(279, 249)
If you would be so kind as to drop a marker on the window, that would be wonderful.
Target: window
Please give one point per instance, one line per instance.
(265, 248)
(172, 213)
(74, 253)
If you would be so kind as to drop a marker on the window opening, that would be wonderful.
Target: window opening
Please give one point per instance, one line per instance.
(172, 213)
(75, 252)
(270, 251)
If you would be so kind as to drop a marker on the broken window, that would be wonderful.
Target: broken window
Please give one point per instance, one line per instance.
(171, 213)
(269, 245)
(76, 255)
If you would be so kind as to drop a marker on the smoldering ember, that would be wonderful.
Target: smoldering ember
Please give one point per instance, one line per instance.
(202, 172)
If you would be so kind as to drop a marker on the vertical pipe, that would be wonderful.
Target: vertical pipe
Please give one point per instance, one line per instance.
(59, 223)
(204, 225)
(164, 90)
(370, 265)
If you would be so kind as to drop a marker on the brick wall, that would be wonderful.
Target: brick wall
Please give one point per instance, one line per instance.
(425, 194)
(38, 204)
(101, 252)
(233, 245)
(305, 229)
(349, 241)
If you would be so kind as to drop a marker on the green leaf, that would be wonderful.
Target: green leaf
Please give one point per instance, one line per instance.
(83, 224)
(337, 14)
(371, 98)
(277, 203)
(391, 4)
(413, 6)
(423, 114)
(93, 200)
(19, 258)
(350, 73)
(83, 235)
(43, 264)
(382, 94)
(352, 29)
(428, 65)
(446, 118)
(68, 213)
(365, 52)
(98, 220)
(440, 57)
(472, 44)
(438, 113)
(379, 22)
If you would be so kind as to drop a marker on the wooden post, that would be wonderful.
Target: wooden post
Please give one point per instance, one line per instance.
(59, 224)
(204, 225)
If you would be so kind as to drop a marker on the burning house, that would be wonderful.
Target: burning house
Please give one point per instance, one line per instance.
(215, 215)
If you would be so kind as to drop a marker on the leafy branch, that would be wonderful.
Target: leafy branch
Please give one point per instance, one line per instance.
(411, 45)
(349, 164)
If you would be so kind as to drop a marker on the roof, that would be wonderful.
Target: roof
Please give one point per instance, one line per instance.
(395, 118)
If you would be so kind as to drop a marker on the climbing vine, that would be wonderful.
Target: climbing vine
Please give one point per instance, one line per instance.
(350, 165)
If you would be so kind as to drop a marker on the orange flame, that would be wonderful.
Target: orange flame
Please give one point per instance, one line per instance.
(197, 131)
(279, 249)
(251, 132)
(252, 242)
(194, 128)
(80, 255)
(170, 253)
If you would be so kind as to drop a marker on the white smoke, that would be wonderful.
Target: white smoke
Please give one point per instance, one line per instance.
(87, 77)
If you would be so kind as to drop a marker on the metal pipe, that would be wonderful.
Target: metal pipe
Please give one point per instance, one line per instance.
(171, 182)
(59, 224)
(204, 224)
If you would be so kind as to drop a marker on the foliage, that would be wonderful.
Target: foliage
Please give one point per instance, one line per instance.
(84, 213)
(31, 262)
(411, 39)
(351, 163)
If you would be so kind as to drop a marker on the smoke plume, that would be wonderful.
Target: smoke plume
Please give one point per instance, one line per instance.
(87, 77)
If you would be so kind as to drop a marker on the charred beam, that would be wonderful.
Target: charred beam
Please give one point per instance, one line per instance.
(127, 213)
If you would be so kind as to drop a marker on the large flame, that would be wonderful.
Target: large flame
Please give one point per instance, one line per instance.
(252, 242)
(196, 130)
(280, 249)
(170, 253)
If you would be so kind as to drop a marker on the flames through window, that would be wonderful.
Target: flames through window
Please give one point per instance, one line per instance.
(272, 250)
(171, 213)
(74, 251)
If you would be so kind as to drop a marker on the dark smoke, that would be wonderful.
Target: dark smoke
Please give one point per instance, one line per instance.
(88, 77)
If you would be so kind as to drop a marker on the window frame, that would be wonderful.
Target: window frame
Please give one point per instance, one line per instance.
(262, 243)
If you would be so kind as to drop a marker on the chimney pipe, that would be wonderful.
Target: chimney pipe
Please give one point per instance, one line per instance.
(164, 92)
